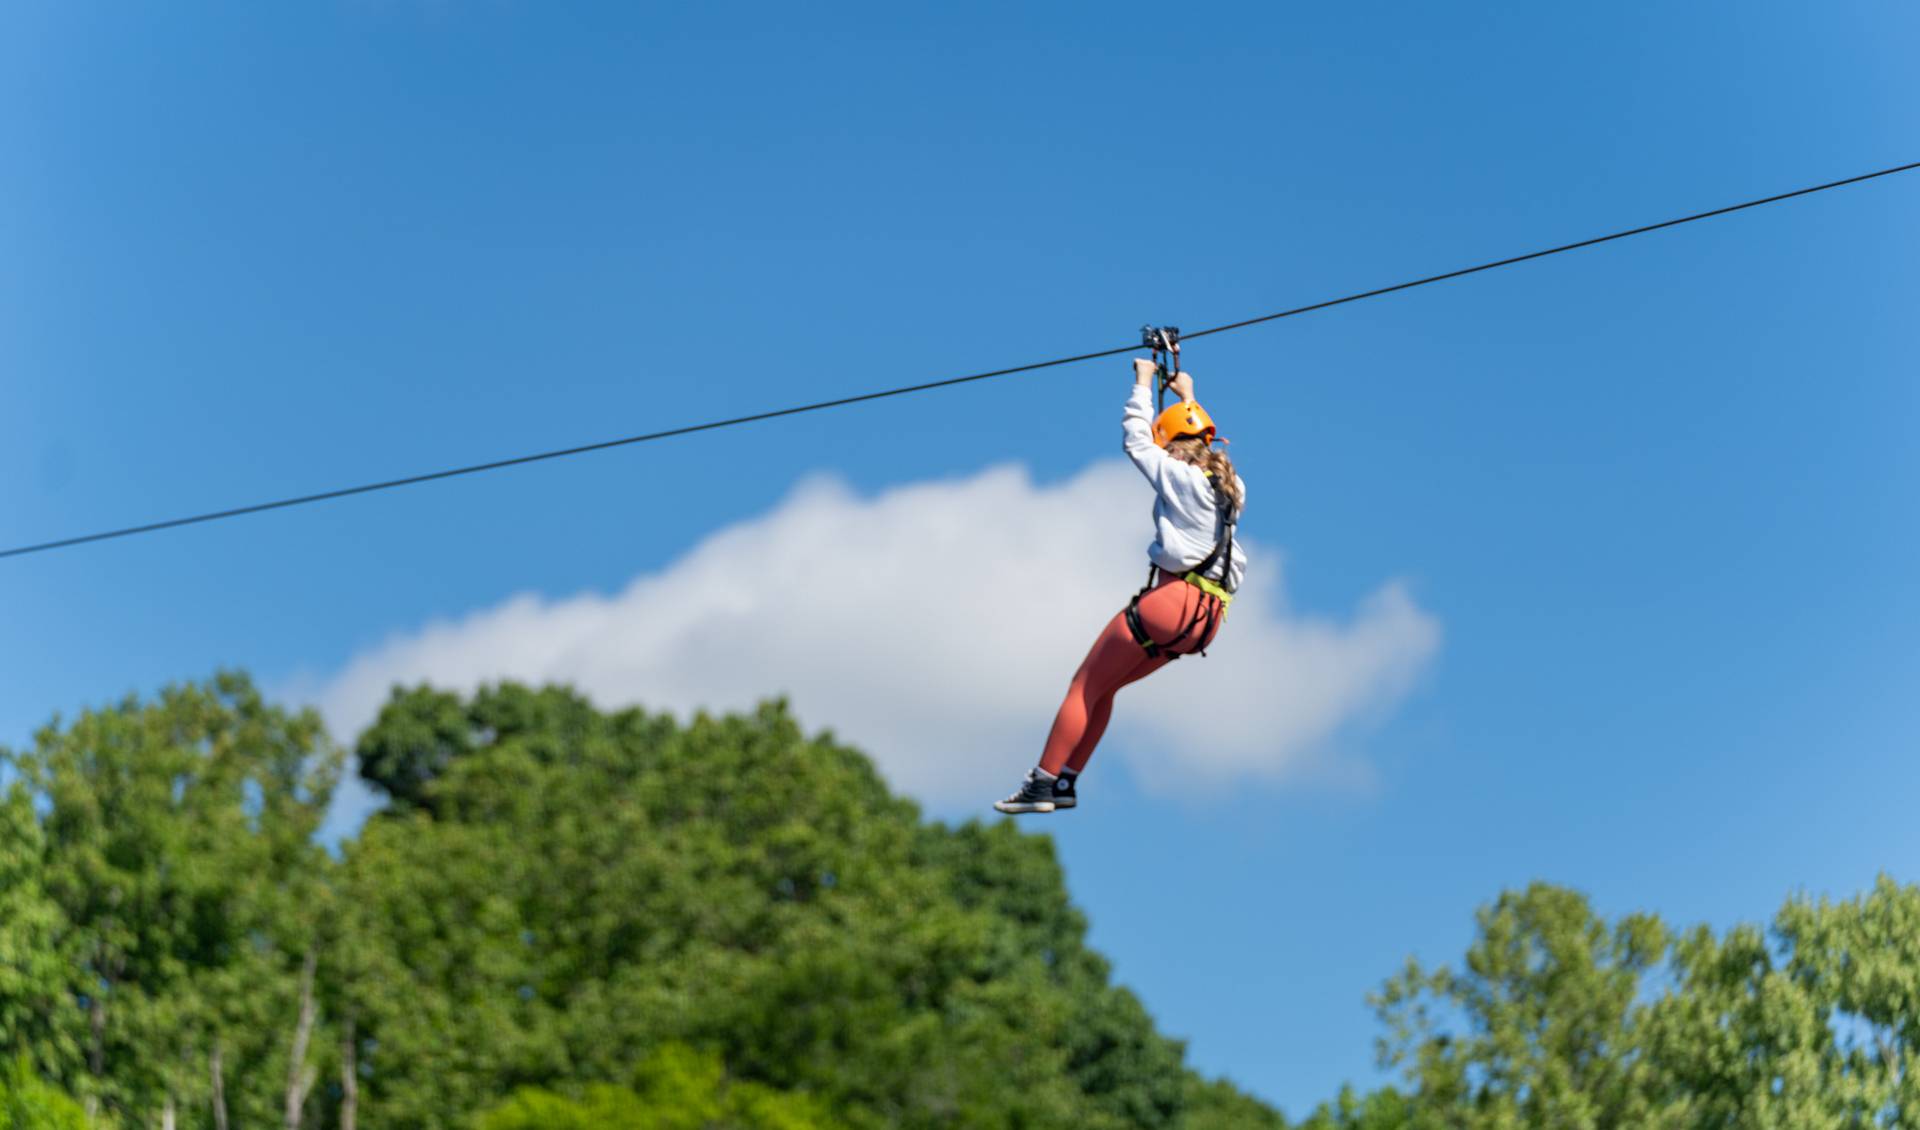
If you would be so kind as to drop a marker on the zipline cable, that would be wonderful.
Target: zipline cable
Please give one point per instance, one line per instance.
(1565, 247)
(367, 488)
(648, 437)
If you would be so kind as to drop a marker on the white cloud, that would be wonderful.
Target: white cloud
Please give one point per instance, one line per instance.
(935, 626)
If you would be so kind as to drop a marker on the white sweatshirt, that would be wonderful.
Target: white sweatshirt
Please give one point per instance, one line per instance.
(1186, 518)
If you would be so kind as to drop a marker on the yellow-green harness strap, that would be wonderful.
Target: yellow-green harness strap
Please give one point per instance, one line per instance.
(1212, 588)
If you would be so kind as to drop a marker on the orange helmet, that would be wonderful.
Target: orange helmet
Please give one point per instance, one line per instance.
(1188, 419)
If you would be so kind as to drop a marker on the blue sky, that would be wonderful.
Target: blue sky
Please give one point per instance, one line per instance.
(1657, 496)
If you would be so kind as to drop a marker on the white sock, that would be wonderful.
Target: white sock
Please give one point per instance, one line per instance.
(1044, 775)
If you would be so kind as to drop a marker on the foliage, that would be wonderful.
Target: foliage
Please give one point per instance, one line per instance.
(1385, 1109)
(567, 917)
(677, 1089)
(557, 904)
(1559, 1019)
(1218, 1105)
(581, 888)
(163, 880)
(1545, 997)
(28, 1103)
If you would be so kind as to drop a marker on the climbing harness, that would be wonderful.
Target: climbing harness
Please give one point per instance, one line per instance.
(1164, 342)
(1215, 596)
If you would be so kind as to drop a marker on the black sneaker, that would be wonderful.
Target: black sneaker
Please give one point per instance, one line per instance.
(1034, 795)
(1063, 794)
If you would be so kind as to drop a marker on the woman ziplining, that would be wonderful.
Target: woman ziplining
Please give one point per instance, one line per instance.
(1195, 568)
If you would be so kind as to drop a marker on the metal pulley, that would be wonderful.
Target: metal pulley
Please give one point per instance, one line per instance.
(1164, 343)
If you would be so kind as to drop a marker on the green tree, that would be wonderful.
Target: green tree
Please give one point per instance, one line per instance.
(1385, 1109)
(1811, 1029)
(677, 1088)
(573, 890)
(29, 1103)
(1535, 1029)
(555, 895)
(1559, 1019)
(418, 734)
(1860, 961)
(1214, 1104)
(39, 977)
(171, 844)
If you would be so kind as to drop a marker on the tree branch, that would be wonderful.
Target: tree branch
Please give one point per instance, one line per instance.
(299, 1074)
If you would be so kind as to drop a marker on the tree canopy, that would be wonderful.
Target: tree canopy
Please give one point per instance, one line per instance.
(570, 917)
(560, 910)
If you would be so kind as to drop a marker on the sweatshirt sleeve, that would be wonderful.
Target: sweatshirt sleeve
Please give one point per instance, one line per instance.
(1136, 435)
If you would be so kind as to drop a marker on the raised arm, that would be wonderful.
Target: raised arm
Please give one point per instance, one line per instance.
(1136, 425)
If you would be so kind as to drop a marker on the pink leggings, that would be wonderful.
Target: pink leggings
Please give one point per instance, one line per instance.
(1115, 660)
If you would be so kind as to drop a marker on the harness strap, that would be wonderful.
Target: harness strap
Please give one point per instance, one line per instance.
(1210, 587)
(1214, 596)
(1136, 627)
(1224, 544)
(1211, 611)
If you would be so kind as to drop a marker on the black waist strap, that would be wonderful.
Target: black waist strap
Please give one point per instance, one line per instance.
(1205, 617)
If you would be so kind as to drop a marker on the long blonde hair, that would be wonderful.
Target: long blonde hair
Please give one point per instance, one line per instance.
(1197, 451)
